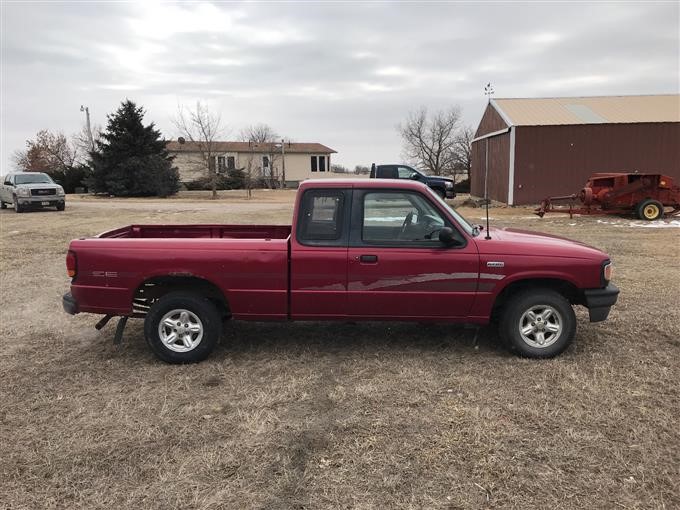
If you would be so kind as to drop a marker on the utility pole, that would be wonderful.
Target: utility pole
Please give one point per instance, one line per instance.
(89, 128)
(283, 164)
(488, 92)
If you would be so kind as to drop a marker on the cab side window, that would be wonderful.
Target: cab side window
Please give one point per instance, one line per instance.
(388, 172)
(8, 180)
(406, 173)
(401, 219)
(321, 219)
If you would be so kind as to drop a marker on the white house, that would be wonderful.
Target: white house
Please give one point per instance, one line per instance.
(269, 162)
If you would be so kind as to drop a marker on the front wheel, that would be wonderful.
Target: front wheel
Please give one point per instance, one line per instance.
(538, 323)
(3, 205)
(182, 328)
(61, 207)
(17, 208)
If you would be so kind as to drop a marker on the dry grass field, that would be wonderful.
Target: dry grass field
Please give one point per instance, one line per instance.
(335, 415)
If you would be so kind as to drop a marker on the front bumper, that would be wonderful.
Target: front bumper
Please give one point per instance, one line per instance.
(44, 201)
(600, 301)
(70, 304)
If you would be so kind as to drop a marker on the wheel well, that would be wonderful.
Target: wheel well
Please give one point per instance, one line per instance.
(153, 289)
(567, 289)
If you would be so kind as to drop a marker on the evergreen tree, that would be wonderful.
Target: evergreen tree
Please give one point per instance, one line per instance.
(131, 159)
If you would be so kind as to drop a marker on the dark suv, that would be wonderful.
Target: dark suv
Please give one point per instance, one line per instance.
(442, 185)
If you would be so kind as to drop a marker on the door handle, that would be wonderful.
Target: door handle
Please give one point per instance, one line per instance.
(368, 259)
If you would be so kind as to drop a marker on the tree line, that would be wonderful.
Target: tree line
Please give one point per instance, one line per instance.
(128, 158)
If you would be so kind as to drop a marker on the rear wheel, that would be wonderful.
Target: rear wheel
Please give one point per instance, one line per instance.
(649, 210)
(182, 328)
(538, 323)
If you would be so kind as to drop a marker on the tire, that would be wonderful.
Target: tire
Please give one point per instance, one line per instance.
(441, 193)
(649, 210)
(61, 207)
(3, 205)
(189, 345)
(17, 208)
(552, 327)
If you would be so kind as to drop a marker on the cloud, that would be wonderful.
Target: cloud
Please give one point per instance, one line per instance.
(343, 74)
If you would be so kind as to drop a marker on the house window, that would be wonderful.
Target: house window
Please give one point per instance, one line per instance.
(266, 169)
(231, 162)
(221, 164)
(318, 163)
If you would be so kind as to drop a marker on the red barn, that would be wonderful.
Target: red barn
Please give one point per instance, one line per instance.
(549, 146)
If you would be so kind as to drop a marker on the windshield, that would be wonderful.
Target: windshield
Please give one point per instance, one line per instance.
(33, 179)
(467, 226)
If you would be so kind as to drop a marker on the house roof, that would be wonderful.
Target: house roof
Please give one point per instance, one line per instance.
(267, 148)
(552, 111)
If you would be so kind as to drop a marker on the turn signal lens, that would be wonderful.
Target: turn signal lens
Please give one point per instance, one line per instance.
(71, 266)
(608, 272)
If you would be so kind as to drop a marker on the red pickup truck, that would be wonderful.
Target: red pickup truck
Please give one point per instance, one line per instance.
(385, 250)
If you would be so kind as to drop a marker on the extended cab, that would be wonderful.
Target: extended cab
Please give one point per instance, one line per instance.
(357, 250)
(25, 190)
(443, 186)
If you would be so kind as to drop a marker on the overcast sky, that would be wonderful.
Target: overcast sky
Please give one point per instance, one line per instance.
(342, 74)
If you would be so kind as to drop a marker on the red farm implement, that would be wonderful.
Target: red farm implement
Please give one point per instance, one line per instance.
(646, 195)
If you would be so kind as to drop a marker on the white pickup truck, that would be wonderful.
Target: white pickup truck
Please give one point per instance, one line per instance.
(24, 190)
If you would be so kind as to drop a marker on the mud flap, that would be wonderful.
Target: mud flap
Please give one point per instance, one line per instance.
(118, 337)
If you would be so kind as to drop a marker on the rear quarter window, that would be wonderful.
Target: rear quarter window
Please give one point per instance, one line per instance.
(321, 217)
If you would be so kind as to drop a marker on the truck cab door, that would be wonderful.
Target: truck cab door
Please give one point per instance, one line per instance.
(397, 266)
(318, 259)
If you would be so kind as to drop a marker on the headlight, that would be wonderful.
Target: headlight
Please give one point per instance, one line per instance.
(23, 192)
(448, 184)
(60, 191)
(608, 272)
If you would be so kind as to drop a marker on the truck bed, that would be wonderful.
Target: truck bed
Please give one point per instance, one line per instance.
(199, 231)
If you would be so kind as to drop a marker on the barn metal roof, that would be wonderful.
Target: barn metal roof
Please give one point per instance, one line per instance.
(552, 111)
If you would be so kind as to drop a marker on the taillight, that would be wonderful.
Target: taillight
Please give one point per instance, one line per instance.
(608, 272)
(71, 264)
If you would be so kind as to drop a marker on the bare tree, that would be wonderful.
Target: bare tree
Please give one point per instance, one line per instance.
(428, 141)
(259, 133)
(203, 128)
(362, 170)
(339, 169)
(81, 141)
(462, 150)
(268, 143)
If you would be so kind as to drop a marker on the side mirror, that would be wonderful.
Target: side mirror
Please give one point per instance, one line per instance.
(446, 236)
(415, 177)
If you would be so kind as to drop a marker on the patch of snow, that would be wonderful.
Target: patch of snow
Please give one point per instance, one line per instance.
(656, 224)
(643, 224)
